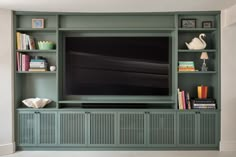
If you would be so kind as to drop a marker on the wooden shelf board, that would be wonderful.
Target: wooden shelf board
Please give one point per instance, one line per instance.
(196, 72)
(196, 29)
(36, 29)
(117, 101)
(115, 29)
(37, 51)
(36, 72)
(205, 50)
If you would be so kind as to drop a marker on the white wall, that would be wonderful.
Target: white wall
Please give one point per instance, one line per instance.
(6, 95)
(228, 78)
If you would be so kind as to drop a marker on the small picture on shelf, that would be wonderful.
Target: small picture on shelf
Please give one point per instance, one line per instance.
(188, 23)
(37, 23)
(207, 24)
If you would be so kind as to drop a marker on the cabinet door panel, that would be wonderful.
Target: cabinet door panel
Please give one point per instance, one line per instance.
(162, 129)
(208, 129)
(26, 128)
(72, 128)
(47, 125)
(102, 128)
(187, 132)
(131, 128)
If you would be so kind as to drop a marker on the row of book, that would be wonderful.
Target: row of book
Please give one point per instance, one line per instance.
(184, 102)
(186, 66)
(25, 63)
(24, 41)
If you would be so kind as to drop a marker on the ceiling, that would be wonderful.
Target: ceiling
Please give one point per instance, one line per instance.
(115, 5)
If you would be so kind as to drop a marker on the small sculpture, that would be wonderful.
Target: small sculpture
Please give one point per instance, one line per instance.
(197, 43)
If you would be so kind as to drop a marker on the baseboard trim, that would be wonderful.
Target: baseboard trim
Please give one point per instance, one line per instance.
(228, 146)
(7, 149)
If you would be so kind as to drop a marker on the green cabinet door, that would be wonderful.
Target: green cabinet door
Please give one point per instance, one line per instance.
(101, 128)
(26, 128)
(209, 129)
(131, 129)
(47, 128)
(199, 129)
(187, 129)
(36, 128)
(72, 128)
(161, 129)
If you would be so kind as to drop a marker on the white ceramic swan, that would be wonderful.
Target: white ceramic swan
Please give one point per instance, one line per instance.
(197, 43)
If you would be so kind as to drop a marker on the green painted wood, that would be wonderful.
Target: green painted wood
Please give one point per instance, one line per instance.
(196, 72)
(37, 51)
(72, 128)
(36, 72)
(115, 101)
(102, 129)
(132, 129)
(161, 129)
(187, 135)
(117, 21)
(59, 25)
(195, 51)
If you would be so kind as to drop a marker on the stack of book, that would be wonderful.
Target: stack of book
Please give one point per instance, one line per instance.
(186, 66)
(24, 42)
(208, 103)
(183, 100)
(22, 61)
(38, 65)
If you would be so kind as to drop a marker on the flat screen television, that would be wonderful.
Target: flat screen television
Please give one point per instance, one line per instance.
(117, 66)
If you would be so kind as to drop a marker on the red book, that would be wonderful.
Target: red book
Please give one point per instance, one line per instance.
(25, 62)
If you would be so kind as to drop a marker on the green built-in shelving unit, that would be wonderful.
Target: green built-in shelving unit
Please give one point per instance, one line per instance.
(65, 124)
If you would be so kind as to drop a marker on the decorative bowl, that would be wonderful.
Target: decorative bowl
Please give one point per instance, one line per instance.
(45, 45)
(36, 102)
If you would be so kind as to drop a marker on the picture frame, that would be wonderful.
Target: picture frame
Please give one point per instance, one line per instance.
(207, 24)
(188, 23)
(37, 23)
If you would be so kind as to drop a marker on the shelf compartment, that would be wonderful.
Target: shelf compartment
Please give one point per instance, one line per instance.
(115, 29)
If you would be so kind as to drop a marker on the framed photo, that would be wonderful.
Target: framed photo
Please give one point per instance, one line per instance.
(188, 23)
(207, 24)
(37, 23)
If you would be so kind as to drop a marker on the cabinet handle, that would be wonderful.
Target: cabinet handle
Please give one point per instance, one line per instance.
(87, 112)
(147, 112)
(198, 112)
(36, 112)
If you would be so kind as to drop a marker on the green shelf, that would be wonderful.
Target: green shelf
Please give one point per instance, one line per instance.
(193, 51)
(36, 72)
(197, 72)
(197, 29)
(36, 29)
(116, 29)
(118, 101)
(37, 51)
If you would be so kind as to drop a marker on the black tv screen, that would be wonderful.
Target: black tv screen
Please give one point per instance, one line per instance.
(117, 66)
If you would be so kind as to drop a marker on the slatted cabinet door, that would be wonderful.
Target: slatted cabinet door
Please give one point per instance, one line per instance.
(47, 128)
(101, 128)
(187, 129)
(72, 128)
(208, 130)
(26, 128)
(161, 129)
(132, 129)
